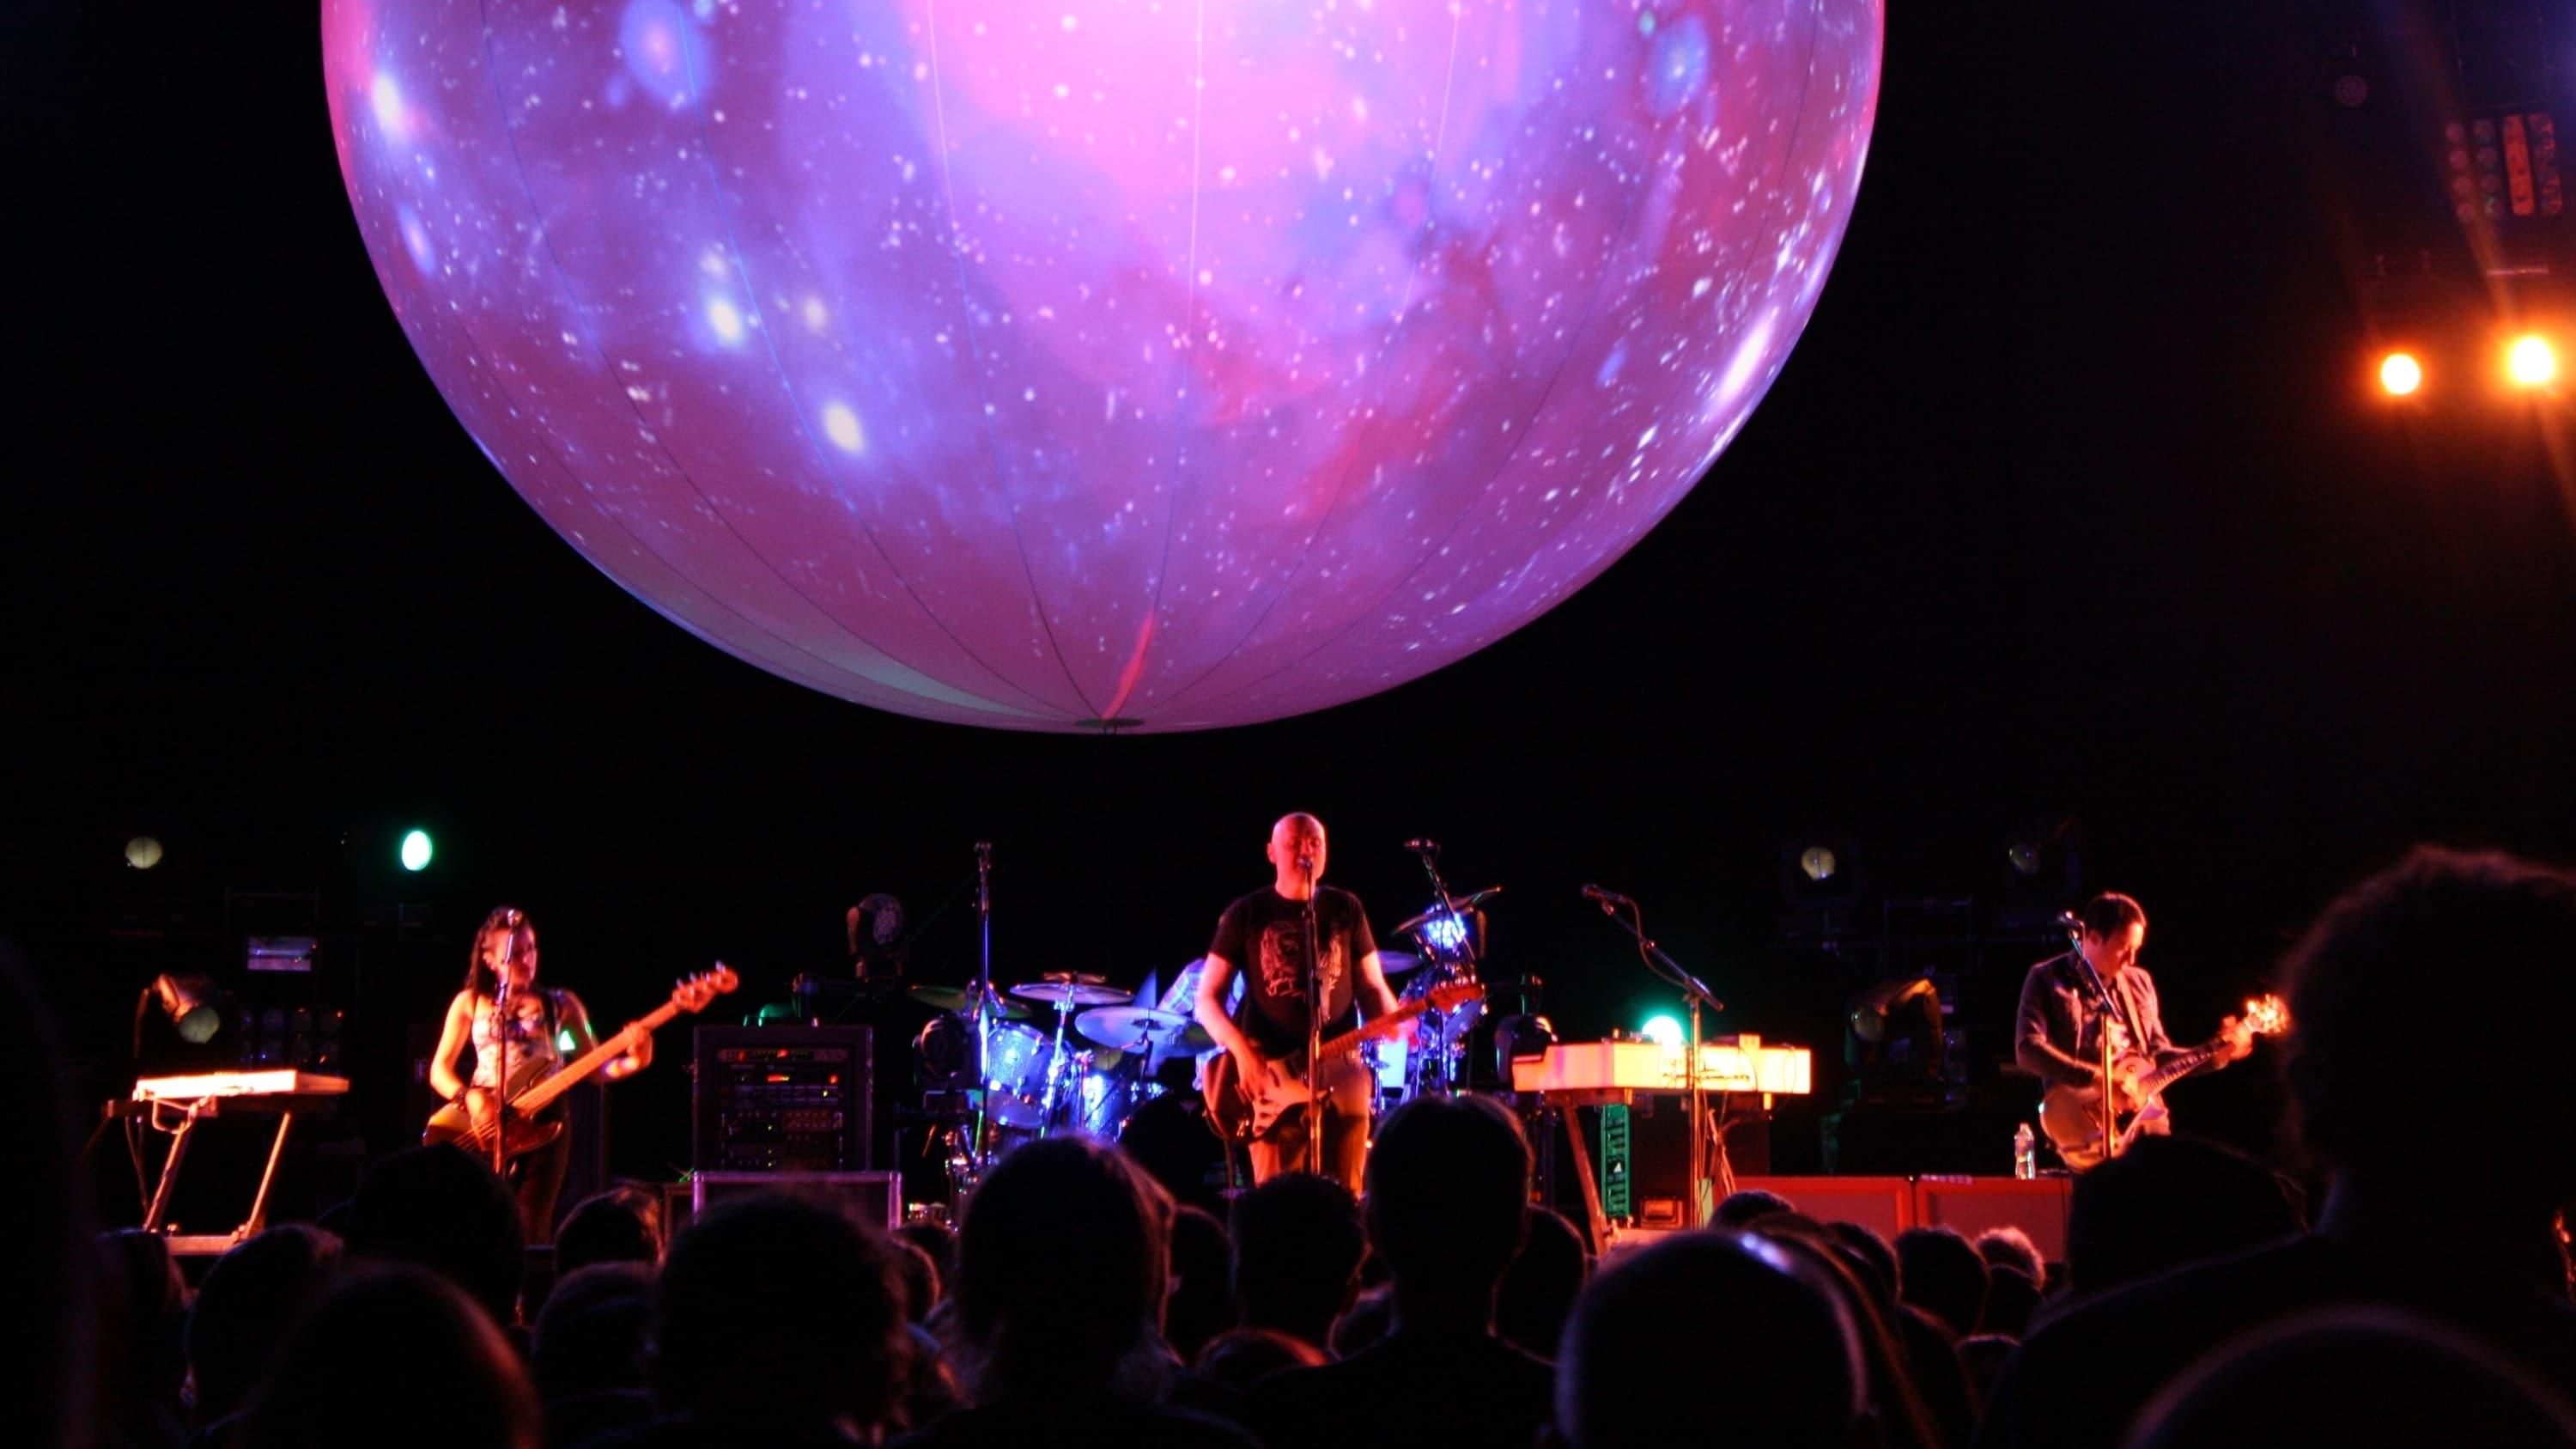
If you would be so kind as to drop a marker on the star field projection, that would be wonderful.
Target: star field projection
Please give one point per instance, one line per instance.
(1180, 364)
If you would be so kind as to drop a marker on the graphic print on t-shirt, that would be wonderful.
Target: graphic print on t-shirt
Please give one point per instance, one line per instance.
(1283, 961)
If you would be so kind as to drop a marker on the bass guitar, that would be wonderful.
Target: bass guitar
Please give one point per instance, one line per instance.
(2072, 1116)
(471, 1123)
(1246, 1110)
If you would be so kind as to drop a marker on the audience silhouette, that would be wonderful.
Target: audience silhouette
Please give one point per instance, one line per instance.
(251, 1299)
(1446, 1186)
(1297, 1250)
(1939, 1272)
(1062, 1272)
(775, 1320)
(399, 1357)
(1657, 1353)
(441, 1209)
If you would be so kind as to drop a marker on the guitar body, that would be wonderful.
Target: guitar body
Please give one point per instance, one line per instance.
(468, 1124)
(1241, 1113)
(467, 1121)
(2072, 1118)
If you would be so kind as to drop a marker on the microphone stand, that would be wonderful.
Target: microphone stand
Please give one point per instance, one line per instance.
(1314, 1028)
(1696, 992)
(976, 1154)
(505, 1002)
(2102, 1040)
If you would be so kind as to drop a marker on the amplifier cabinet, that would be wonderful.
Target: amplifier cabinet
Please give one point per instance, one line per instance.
(783, 1098)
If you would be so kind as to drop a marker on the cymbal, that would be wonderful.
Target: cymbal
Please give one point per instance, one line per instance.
(1133, 1026)
(1396, 963)
(1063, 988)
(1465, 903)
(962, 998)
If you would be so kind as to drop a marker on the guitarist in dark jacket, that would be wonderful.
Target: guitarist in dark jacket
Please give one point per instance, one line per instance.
(1264, 935)
(2059, 1036)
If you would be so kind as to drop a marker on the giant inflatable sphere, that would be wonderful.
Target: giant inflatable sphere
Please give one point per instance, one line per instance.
(1152, 364)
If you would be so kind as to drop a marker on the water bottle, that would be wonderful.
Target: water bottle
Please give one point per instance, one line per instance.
(2025, 1153)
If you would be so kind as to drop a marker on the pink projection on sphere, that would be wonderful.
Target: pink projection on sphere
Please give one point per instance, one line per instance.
(1148, 364)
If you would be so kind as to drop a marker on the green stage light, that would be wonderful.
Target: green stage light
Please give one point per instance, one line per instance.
(416, 851)
(1663, 1028)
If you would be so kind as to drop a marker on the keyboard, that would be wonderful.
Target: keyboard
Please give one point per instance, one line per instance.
(269, 1082)
(1738, 1064)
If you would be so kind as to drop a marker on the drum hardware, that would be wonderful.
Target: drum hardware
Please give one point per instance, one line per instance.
(1450, 935)
(961, 999)
(1061, 989)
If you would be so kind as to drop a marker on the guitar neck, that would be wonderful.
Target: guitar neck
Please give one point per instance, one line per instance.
(541, 1095)
(1387, 1025)
(2177, 1069)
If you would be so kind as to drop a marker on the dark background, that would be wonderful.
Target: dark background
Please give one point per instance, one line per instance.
(2072, 519)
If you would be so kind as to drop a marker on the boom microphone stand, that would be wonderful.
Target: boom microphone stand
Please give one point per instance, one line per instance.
(1696, 992)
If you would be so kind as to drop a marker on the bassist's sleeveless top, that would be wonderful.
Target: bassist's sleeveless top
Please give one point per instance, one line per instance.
(534, 1023)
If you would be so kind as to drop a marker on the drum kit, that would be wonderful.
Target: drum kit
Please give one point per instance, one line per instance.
(1086, 1071)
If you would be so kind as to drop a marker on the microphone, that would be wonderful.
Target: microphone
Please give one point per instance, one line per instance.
(1305, 865)
(1607, 898)
(1423, 847)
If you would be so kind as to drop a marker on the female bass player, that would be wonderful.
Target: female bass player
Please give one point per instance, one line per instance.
(540, 1029)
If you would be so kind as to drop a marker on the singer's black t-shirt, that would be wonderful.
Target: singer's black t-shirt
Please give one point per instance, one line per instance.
(1263, 936)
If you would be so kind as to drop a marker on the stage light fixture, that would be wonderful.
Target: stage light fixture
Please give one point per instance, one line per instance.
(416, 851)
(142, 853)
(189, 1002)
(1662, 1028)
(1818, 863)
(2531, 361)
(2400, 374)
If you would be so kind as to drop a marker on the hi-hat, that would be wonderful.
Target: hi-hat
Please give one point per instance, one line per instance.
(1128, 1027)
(1066, 988)
(962, 998)
(1396, 963)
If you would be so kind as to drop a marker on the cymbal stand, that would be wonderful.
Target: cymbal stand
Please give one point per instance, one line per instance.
(1696, 992)
(1059, 1065)
(1455, 963)
(979, 1151)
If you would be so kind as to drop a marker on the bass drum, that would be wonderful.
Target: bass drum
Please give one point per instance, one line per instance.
(1107, 1100)
(1170, 1136)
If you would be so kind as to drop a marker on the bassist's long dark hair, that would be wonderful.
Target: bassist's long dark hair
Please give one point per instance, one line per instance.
(481, 980)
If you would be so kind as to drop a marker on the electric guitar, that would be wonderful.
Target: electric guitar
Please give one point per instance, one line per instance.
(1247, 1110)
(2072, 1116)
(470, 1122)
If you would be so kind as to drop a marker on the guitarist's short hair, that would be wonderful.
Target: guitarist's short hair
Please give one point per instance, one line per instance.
(2110, 913)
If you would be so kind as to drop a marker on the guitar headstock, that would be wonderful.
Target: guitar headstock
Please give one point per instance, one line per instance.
(2267, 1015)
(1456, 994)
(694, 993)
